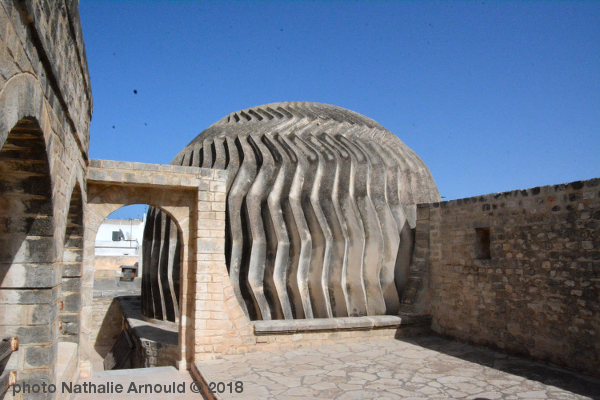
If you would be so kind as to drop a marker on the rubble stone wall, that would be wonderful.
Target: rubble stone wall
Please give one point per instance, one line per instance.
(537, 291)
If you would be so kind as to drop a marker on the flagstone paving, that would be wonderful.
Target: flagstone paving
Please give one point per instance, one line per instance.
(417, 368)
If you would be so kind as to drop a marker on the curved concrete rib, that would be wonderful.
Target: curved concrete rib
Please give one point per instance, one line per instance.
(405, 184)
(185, 158)
(207, 154)
(233, 166)
(319, 299)
(154, 264)
(257, 195)
(390, 233)
(236, 212)
(220, 161)
(163, 269)
(316, 217)
(403, 256)
(337, 277)
(275, 203)
(175, 268)
(356, 301)
(194, 159)
(406, 190)
(321, 183)
(304, 256)
(266, 148)
(411, 176)
(373, 247)
(270, 289)
(333, 261)
(147, 245)
(234, 162)
(171, 275)
(271, 292)
(293, 232)
(320, 209)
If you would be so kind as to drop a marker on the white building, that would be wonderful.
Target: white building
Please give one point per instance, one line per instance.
(120, 237)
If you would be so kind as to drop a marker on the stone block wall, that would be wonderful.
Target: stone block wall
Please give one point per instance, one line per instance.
(518, 270)
(44, 96)
(193, 197)
(107, 323)
(56, 33)
(151, 354)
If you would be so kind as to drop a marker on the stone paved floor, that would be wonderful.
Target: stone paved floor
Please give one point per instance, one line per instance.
(416, 368)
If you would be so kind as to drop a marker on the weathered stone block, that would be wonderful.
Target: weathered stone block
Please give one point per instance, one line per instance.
(72, 302)
(71, 270)
(29, 275)
(71, 285)
(40, 356)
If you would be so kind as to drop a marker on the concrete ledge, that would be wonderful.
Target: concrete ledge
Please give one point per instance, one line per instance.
(334, 324)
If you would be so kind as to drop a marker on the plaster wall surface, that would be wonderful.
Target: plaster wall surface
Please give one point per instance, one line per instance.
(132, 229)
(537, 293)
(111, 254)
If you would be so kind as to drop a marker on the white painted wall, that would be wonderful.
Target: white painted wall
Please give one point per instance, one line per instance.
(133, 231)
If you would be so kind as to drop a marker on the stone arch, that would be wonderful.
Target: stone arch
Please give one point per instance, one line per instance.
(24, 159)
(99, 214)
(29, 274)
(21, 97)
(104, 199)
(72, 267)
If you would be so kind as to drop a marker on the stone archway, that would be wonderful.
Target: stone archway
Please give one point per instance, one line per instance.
(180, 205)
(193, 198)
(71, 270)
(29, 275)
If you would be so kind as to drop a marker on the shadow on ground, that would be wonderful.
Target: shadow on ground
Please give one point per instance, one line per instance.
(546, 374)
(110, 328)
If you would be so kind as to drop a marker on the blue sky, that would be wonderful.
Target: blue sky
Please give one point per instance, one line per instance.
(493, 96)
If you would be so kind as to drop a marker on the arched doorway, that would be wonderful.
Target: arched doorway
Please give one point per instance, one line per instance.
(127, 272)
(105, 198)
(118, 252)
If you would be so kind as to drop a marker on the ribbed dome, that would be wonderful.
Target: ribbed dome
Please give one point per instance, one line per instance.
(274, 114)
(321, 202)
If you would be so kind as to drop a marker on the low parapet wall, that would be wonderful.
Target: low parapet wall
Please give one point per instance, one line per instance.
(518, 270)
